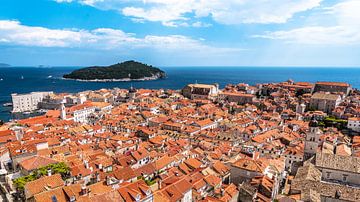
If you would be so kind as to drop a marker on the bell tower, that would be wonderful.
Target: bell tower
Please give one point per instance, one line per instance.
(62, 112)
(312, 139)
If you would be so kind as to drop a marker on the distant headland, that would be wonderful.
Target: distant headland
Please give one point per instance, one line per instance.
(4, 65)
(125, 71)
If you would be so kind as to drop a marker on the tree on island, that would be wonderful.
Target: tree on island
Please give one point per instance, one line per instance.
(125, 70)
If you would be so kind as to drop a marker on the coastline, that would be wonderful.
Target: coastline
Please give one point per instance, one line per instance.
(151, 78)
(175, 78)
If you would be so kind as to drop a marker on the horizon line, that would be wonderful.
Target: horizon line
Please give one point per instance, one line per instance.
(184, 66)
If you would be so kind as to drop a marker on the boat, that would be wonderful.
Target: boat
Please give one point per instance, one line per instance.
(9, 104)
(22, 77)
(49, 77)
(1, 79)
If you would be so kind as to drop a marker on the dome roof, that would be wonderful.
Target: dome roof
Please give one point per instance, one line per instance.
(313, 122)
(132, 90)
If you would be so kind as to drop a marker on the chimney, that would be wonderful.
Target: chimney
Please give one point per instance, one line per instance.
(19, 134)
(83, 189)
(86, 164)
(67, 182)
(62, 112)
(255, 155)
(160, 184)
(108, 180)
(49, 172)
(98, 179)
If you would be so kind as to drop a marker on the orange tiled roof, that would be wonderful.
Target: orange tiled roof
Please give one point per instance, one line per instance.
(43, 184)
(36, 162)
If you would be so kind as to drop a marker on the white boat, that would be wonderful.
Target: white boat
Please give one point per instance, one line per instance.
(49, 77)
(9, 104)
(22, 77)
(1, 79)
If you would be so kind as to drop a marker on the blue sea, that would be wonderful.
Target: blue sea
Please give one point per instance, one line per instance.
(28, 79)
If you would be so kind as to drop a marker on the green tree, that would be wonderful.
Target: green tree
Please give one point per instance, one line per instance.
(57, 168)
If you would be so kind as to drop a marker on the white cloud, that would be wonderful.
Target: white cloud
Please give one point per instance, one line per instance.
(14, 33)
(63, 1)
(345, 29)
(176, 12)
(201, 24)
(250, 11)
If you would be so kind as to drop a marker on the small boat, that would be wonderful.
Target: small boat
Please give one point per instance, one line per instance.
(1, 79)
(9, 104)
(22, 77)
(49, 77)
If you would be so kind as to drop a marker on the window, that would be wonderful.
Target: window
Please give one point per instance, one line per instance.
(345, 177)
(328, 174)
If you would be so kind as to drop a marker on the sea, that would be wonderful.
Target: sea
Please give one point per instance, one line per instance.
(29, 79)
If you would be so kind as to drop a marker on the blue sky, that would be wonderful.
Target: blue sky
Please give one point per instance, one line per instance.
(180, 32)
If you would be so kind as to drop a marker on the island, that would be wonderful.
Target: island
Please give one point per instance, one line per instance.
(125, 71)
(4, 65)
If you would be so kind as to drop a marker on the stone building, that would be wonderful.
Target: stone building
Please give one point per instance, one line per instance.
(310, 186)
(325, 102)
(354, 124)
(239, 98)
(200, 91)
(312, 140)
(332, 87)
(27, 102)
(339, 169)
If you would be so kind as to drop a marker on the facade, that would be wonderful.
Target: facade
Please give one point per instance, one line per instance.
(354, 124)
(27, 102)
(52, 101)
(78, 113)
(240, 98)
(332, 87)
(340, 169)
(300, 108)
(325, 102)
(200, 91)
(293, 159)
(81, 115)
(245, 169)
(310, 184)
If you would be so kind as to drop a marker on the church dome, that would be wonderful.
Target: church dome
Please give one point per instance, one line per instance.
(313, 122)
(132, 90)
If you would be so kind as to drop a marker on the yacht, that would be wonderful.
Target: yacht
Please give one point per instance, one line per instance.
(9, 104)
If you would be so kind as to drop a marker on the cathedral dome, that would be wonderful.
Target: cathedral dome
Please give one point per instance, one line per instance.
(313, 122)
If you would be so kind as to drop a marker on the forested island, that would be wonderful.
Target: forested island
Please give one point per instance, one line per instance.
(125, 71)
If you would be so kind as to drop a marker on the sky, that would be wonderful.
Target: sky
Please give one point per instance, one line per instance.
(181, 32)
